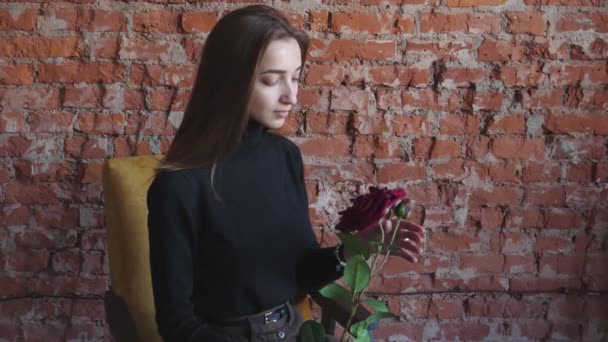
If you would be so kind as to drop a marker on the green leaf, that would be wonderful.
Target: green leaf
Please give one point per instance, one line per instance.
(357, 273)
(363, 336)
(311, 331)
(378, 316)
(358, 328)
(376, 304)
(354, 246)
(338, 293)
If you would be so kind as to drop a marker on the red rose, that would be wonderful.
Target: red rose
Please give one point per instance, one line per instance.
(368, 209)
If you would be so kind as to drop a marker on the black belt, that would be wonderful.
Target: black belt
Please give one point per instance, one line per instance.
(262, 318)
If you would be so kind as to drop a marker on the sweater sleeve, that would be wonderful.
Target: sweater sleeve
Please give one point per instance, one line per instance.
(170, 226)
(318, 266)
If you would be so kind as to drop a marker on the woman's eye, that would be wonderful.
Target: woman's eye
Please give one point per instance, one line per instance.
(270, 82)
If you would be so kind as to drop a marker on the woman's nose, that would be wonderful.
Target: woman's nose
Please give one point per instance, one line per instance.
(290, 93)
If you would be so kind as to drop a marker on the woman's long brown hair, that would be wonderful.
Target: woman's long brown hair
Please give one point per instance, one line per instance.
(216, 116)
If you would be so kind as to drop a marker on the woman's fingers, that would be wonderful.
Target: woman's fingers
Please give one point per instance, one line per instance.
(410, 226)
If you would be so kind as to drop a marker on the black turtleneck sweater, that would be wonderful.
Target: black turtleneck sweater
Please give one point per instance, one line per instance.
(251, 250)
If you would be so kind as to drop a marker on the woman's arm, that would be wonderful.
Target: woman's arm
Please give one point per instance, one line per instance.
(171, 223)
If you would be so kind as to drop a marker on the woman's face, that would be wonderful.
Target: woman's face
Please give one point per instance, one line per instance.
(276, 83)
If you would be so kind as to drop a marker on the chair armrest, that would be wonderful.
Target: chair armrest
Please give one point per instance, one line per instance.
(119, 319)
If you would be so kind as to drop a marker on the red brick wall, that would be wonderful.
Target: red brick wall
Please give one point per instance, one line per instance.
(491, 112)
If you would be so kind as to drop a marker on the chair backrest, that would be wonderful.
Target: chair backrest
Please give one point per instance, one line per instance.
(126, 182)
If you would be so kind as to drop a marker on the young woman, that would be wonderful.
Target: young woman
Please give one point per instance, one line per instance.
(231, 243)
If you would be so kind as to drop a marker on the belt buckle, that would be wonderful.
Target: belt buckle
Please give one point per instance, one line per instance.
(267, 317)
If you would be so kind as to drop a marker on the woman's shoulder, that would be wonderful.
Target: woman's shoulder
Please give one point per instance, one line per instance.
(184, 180)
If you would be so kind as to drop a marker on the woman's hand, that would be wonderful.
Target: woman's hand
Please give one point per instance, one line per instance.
(409, 240)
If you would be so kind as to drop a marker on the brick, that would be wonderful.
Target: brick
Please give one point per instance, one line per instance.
(445, 148)
(29, 98)
(581, 173)
(66, 262)
(516, 264)
(427, 264)
(543, 284)
(36, 331)
(27, 260)
(370, 23)
(26, 193)
(332, 123)
(358, 171)
(83, 97)
(462, 77)
(518, 148)
(12, 122)
(332, 50)
(51, 122)
(487, 101)
(553, 244)
(510, 124)
(428, 99)
(76, 72)
(366, 124)
(499, 195)
(125, 147)
(545, 195)
(56, 216)
(445, 309)
(460, 22)
(563, 2)
(318, 20)
(16, 74)
(309, 98)
(324, 147)
(413, 77)
(86, 148)
(347, 99)
(565, 74)
(576, 123)
(482, 263)
(468, 331)
(324, 75)
(23, 20)
(448, 50)
(35, 47)
(389, 99)
(533, 23)
(93, 123)
(452, 242)
(102, 47)
(541, 172)
(579, 149)
(14, 216)
(80, 19)
(158, 50)
(583, 21)
(68, 285)
(523, 75)
(474, 3)
(453, 169)
(123, 99)
(400, 172)
(377, 50)
(501, 50)
(499, 171)
(156, 22)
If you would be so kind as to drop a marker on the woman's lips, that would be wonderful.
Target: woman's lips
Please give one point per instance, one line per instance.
(282, 114)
